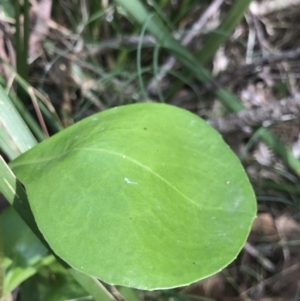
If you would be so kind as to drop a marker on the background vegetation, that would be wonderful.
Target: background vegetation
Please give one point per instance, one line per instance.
(234, 63)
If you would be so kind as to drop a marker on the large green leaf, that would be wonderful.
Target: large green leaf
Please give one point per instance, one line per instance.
(145, 195)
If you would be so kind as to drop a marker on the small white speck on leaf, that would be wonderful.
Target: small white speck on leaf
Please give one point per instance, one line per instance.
(228, 182)
(129, 182)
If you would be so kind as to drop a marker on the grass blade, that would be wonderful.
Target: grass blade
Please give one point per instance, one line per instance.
(224, 31)
(15, 137)
(128, 294)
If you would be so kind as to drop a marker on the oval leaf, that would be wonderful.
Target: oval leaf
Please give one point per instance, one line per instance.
(145, 195)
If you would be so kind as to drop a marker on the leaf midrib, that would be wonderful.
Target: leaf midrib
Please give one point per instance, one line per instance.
(124, 156)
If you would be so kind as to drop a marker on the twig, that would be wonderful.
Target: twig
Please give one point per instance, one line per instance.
(283, 110)
(268, 7)
(250, 69)
(265, 262)
(186, 39)
(107, 45)
(264, 43)
(251, 38)
(38, 111)
(270, 280)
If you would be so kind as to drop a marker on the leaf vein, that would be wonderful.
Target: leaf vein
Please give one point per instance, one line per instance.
(123, 156)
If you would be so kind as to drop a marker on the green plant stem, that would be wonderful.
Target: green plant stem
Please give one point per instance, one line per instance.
(22, 42)
(184, 7)
(95, 25)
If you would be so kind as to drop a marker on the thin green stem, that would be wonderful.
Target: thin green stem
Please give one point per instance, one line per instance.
(139, 57)
(22, 42)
